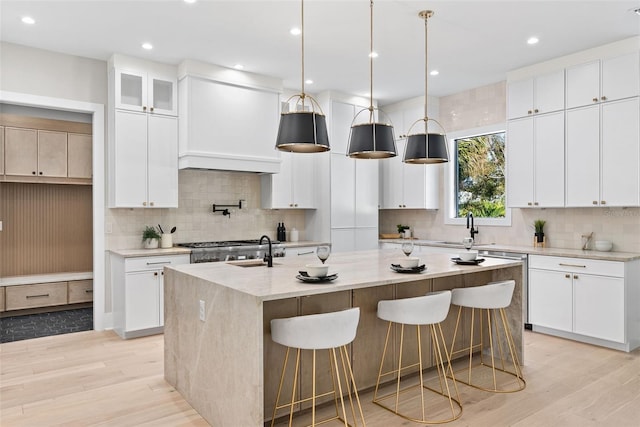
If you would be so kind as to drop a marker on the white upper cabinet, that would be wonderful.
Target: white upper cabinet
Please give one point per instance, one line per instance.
(538, 95)
(603, 154)
(342, 115)
(293, 187)
(605, 80)
(535, 161)
(142, 91)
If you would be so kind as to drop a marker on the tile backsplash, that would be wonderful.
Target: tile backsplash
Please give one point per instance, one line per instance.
(194, 219)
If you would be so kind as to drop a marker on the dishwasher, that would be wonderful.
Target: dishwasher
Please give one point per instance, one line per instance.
(525, 278)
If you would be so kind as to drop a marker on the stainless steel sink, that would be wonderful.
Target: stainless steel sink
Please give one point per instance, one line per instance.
(460, 244)
(250, 263)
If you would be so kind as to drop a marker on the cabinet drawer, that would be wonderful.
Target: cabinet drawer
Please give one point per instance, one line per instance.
(80, 291)
(577, 265)
(40, 295)
(154, 262)
(2, 299)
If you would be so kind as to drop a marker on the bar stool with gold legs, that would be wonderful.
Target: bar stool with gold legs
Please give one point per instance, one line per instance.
(483, 371)
(430, 310)
(328, 331)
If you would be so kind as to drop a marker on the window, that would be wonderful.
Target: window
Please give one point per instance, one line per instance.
(477, 177)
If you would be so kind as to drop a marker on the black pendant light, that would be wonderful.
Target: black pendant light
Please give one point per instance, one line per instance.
(426, 147)
(305, 129)
(371, 139)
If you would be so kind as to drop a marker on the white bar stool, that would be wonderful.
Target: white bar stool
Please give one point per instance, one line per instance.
(490, 299)
(316, 332)
(430, 309)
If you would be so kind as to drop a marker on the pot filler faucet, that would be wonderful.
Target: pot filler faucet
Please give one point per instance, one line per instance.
(472, 231)
(268, 257)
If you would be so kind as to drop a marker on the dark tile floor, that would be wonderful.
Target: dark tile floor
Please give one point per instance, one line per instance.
(18, 328)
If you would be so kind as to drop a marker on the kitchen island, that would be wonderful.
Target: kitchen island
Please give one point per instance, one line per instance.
(226, 365)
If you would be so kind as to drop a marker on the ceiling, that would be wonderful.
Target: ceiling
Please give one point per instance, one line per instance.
(472, 43)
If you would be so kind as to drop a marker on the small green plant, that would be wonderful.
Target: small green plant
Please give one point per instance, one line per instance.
(401, 228)
(150, 233)
(538, 224)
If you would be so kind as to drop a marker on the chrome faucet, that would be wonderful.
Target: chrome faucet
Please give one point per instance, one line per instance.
(268, 257)
(473, 231)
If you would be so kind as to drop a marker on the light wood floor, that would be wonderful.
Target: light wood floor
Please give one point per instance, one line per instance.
(97, 379)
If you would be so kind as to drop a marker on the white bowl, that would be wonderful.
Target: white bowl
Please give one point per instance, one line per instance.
(468, 255)
(409, 262)
(317, 270)
(603, 245)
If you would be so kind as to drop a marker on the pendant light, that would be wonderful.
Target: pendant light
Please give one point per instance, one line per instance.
(305, 129)
(426, 148)
(371, 140)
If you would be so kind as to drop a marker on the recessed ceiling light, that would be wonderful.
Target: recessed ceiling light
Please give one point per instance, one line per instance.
(434, 72)
(190, 1)
(308, 81)
(147, 46)
(239, 67)
(532, 40)
(28, 20)
(373, 55)
(295, 31)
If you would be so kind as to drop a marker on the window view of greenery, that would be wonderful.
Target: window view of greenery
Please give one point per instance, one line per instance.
(480, 176)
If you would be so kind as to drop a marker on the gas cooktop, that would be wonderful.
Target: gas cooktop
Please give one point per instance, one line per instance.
(224, 244)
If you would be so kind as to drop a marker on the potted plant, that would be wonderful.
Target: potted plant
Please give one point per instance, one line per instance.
(150, 237)
(538, 224)
(402, 228)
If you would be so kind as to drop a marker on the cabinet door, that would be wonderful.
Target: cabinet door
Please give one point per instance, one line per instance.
(549, 93)
(142, 300)
(52, 153)
(599, 306)
(583, 157)
(519, 98)
(366, 238)
(366, 194)
(549, 160)
(130, 160)
(80, 156)
(162, 161)
(343, 240)
(520, 162)
(550, 299)
(21, 151)
(620, 77)
(620, 153)
(303, 180)
(391, 180)
(162, 95)
(1, 154)
(583, 84)
(281, 183)
(421, 186)
(341, 118)
(131, 90)
(343, 188)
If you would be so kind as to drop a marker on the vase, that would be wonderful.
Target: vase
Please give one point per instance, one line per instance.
(540, 237)
(150, 243)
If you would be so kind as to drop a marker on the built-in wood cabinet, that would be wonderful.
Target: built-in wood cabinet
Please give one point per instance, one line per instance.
(603, 80)
(2, 299)
(80, 291)
(31, 152)
(1, 150)
(49, 294)
(603, 154)
(138, 283)
(79, 163)
(535, 161)
(538, 95)
(585, 299)
(294, 186)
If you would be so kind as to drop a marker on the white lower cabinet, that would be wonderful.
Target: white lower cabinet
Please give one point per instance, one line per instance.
(584, 299)
(138, 293)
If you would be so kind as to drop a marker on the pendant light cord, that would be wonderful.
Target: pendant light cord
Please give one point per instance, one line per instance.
(302, 49)
(371, 62)
(426, 72)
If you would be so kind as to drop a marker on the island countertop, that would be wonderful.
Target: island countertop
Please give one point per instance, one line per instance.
(354, 269)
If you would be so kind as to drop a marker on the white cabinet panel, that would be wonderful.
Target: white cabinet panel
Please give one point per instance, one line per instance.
(343, 188)
(583, 155)
(343, 239)
(599, 306)
(539, 95)
(583, 84)
(366, 194)
(341, 118)
(143, 91)
(130, 159)
(550, 299)
(294, 186)
(142, 308)
(520, 165)
(366, 238)
(162, 169)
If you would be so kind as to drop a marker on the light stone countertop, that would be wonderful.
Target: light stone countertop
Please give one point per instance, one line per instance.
(355, 270)
(575, 253)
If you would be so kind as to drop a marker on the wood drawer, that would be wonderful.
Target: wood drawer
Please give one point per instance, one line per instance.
(2, 299)
(39, 295)
(80, 291)
(577, 265)
(154, 262)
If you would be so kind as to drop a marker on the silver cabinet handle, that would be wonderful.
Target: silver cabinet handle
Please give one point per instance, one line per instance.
(158, 262)
(572, 265)
(305, 253)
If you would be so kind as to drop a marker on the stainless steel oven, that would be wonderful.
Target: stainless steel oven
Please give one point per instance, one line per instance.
(231, 250)
(525, 278)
